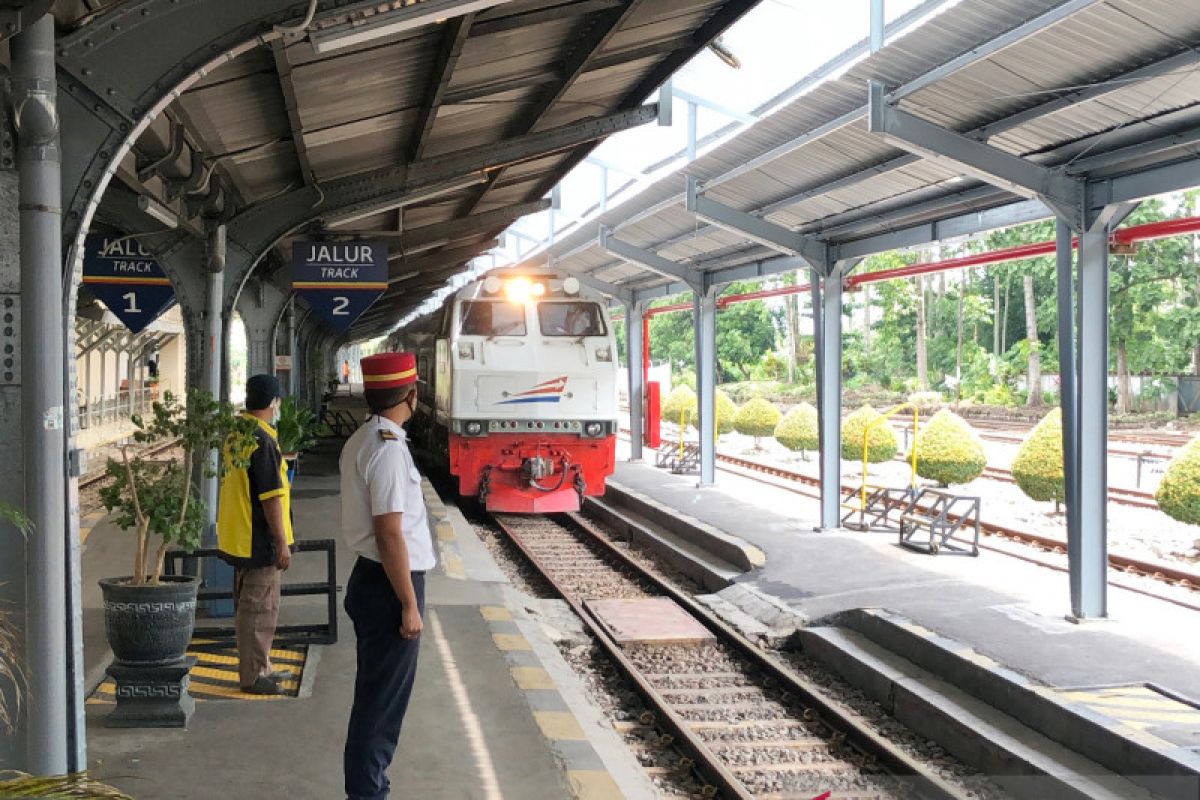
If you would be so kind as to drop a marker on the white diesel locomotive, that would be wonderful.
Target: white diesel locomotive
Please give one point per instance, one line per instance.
(518, 392)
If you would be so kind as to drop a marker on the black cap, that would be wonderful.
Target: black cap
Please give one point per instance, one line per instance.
(261, 390)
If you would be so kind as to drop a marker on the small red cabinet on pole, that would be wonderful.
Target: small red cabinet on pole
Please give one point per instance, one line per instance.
(652, 437)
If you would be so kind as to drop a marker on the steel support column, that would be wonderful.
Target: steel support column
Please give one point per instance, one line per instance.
(291, 347)
(216, 573)
(827, 330)
(50, 720)
(261, 306)
(1088, 520)
(634, 314)
(1068, 393)
(704, 314)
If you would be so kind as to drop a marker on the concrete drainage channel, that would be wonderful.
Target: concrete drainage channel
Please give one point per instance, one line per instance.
(934, 697)
(774, 734)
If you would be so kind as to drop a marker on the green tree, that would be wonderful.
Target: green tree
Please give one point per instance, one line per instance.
(948, 450)
(757, 418)
(1038, 467)
(881, 440)
(1178, 493)
(798, 430)
(745, 333)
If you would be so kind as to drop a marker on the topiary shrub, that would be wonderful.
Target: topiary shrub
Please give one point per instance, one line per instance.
(1178, 494)
(948, 450)
(797, 431)
(926, 401)
(1038, 467)
(726, 411)
(680, 406)
(881, 442)
(757, 418)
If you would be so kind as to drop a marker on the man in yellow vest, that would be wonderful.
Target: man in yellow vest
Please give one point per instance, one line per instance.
(254, 534)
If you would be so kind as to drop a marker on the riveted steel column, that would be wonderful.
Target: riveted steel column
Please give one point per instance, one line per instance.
(634, 314)
(827, 330)
(1088, 554)
(704, 309)
(50, 720)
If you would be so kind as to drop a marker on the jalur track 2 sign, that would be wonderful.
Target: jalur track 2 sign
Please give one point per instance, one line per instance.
(340, 280)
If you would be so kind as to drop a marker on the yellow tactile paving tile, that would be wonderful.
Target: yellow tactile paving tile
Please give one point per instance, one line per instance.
(511, 641)
(454, 567)
(532, 678)
(560, 725)
(495, 613)
(445, 532)
(215, 676)
(1138, 706)
(592, 784)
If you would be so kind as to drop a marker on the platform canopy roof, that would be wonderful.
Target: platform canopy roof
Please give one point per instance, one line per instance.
(484, 105)
(1099, 93)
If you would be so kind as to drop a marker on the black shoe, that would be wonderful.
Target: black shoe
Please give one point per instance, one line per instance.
(263, 685)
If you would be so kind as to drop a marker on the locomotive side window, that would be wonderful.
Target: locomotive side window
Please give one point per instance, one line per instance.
(571, 319)
(484, 318)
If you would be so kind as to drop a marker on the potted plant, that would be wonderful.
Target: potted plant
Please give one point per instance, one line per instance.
(296, 429)
(148, 617)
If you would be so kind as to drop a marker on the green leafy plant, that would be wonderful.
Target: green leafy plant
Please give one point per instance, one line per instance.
(798, 431)
(58, 787)
(948, 450)
(757, 418)
(10, 668)
(1178, 493)
(680, 406)
(725, 411)
(881, 441)
(1038, 467)
(297, 427)
(158, 497)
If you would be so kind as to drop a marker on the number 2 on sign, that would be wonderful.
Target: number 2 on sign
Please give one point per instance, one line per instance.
(340, 304)
(131, 299)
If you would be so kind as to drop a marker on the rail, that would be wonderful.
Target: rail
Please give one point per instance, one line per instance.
(869, 746)
(285, 635)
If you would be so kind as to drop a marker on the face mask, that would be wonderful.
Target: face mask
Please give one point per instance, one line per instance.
(274, 413)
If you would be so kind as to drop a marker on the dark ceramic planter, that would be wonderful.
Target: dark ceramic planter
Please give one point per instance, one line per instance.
(151, 625)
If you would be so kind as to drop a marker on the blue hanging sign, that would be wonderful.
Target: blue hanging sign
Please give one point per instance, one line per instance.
(126, 278)
(340, 280)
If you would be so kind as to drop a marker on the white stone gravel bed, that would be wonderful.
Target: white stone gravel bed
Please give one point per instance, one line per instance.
(1136, 532)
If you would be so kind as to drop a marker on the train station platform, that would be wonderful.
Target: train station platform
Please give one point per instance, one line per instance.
(1136, 674)
(496, 711)
(1009, 609)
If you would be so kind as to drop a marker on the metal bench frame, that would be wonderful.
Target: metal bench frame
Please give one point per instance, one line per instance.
(285, 635)
(680, 459)
(947, 515)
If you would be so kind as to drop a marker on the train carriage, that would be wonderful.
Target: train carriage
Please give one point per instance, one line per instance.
(518, 399)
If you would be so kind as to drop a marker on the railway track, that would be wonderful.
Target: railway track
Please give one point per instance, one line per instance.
(748, 725)
(89, 485)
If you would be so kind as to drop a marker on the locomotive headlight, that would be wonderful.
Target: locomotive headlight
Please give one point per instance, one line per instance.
(474, 428)
(603, 354)
(518, 290)
(492, 285)
(593, 429)
(466, 350)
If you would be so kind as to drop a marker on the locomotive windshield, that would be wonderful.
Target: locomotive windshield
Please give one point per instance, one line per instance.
(485, 318)
(571, 319)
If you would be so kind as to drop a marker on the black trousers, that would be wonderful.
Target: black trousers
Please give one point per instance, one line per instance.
(387, 665)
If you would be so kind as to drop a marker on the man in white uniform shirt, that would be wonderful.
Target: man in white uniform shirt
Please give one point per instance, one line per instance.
(385, 523)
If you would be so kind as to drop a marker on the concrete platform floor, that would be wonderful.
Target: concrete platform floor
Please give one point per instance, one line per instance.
(1008, 609)
(495, 712)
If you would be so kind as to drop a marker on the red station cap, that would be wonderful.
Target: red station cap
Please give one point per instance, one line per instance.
(389, 370)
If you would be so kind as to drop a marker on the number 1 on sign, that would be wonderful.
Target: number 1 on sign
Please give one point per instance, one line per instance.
(340, 304)
(131, 299)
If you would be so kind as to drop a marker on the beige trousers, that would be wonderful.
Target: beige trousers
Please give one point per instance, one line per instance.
(256, 612)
